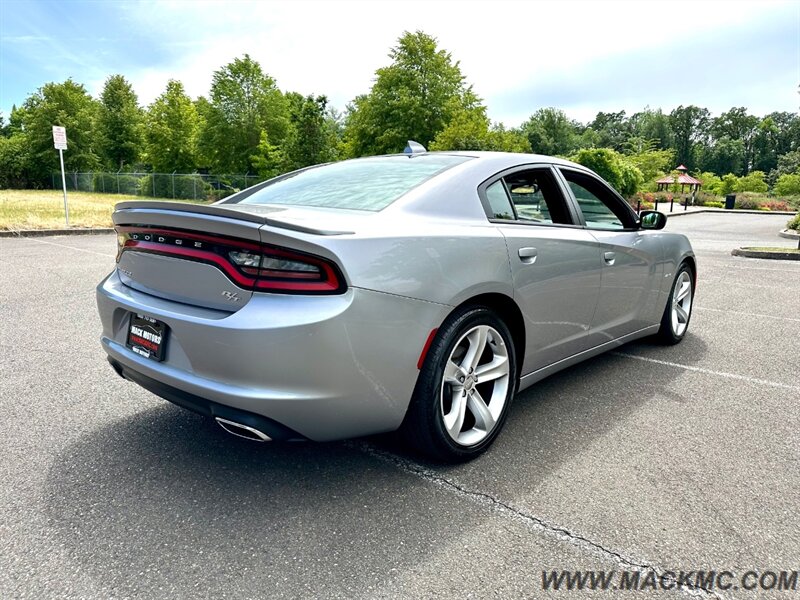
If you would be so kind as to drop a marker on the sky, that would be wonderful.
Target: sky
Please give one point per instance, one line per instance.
(519, 56)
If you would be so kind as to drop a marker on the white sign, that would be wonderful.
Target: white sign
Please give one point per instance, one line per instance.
(60, 137)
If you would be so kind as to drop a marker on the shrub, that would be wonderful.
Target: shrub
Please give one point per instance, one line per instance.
(752, 182)
(705, 199)
(788, 185)
(184, 187)
(111, 183)
(776, 205)
(748, 201)
(794, 223)
(644, 200)
(711, 183)
(729, 184)
(714, 204)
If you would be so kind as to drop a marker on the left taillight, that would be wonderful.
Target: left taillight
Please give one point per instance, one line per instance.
(252, 266)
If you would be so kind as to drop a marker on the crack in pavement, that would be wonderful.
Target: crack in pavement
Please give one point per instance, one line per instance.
(538, 523)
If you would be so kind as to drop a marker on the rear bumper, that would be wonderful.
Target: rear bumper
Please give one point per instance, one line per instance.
(319, 367)
(205, 407)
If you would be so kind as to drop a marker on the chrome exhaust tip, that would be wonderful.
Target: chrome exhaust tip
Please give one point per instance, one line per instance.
(243, 431)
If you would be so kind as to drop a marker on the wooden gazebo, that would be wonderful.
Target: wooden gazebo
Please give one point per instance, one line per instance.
(683, 178)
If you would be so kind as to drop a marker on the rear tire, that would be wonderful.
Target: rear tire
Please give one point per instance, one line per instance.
(678, 311)
(464, 389)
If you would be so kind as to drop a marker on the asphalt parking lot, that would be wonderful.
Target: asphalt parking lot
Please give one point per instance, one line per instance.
(649, 458)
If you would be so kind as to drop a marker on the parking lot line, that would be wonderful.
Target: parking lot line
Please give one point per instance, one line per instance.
(749, 314)
(775, 384)
(33, 239)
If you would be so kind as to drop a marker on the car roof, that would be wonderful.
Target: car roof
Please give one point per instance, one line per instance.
(500, 160)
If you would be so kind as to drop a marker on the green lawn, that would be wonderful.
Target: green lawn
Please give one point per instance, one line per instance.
(44, 209)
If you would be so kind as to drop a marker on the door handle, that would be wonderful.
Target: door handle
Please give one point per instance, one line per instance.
(528, 255)
(609, 257)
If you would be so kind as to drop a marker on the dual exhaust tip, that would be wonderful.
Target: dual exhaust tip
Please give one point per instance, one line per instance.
(242, 431)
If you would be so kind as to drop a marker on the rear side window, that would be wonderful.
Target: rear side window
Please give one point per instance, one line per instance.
(529, 196)
(361, 184)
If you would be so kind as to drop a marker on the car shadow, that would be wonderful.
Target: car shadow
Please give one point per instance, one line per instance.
(565, 414)
(164, 499)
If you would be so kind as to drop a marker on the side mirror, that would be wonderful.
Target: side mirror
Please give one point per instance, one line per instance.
(651, 219)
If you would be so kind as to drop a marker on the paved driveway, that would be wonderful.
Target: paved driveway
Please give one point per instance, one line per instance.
(644, 459)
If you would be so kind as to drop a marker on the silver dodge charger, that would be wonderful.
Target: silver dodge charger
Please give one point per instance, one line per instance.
(416, 292)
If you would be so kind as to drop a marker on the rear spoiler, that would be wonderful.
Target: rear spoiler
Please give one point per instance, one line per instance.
(263, 215)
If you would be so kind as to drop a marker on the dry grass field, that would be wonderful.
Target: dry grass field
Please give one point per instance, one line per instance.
(44, 209)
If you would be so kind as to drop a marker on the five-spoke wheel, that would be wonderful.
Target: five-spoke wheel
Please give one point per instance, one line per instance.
(475, 385)
(678, 311)
(465, 387)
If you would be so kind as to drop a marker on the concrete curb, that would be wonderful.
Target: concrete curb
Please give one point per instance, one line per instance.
(789, 234)
(771, 255)
(48, 232)
(731, 212)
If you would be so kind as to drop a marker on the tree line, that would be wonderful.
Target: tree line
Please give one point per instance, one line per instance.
(248, 125)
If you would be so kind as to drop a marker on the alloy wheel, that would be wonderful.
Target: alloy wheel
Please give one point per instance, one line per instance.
(681, 303)
(475, 385)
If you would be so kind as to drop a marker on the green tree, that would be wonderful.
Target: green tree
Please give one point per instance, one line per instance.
(471, 130)
(414, 98)
(613, 167)
(652, 125)
(119, 124)
(69, 105)
(312, 137)
(724, 155)
(15, 162)
(551, 132)
(651, 161)
(788, 164)
(612, 129)
(244, 103)
(788, 185)
(689, 128)
(171, 133)
(738, 126)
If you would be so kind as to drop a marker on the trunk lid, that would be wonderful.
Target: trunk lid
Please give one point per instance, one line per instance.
(176, 250)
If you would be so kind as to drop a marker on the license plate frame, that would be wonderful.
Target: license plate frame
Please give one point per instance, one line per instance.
(147, 336)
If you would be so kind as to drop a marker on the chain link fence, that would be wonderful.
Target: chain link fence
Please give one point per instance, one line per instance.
(182, 186)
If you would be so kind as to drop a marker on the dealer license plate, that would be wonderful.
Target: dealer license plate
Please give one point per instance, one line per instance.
(147, 337)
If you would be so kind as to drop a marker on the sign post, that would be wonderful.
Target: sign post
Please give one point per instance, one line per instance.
(60, 143)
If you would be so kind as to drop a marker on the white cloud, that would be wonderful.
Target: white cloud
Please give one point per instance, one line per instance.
(334, 47)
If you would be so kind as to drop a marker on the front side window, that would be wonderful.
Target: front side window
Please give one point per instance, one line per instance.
(600, 208)
(531, 196)
(362, 184)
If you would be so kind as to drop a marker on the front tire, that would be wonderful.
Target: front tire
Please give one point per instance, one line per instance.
(678, 312)
(465, 387)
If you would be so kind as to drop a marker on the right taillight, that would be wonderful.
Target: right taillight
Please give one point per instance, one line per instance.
(250, 265)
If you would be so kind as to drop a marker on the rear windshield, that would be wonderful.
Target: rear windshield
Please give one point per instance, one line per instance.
(363, 184)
